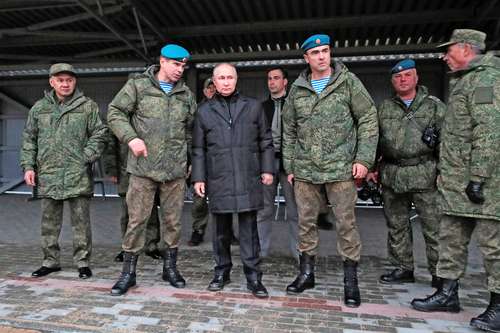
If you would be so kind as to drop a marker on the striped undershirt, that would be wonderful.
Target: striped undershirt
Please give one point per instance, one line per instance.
(408, 102)
(320, 84)
(166, 86)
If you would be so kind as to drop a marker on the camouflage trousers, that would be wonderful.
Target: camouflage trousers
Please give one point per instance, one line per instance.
(342, 196)
(199, 214)
(397, 207)
(140, 200)
(454, 237)
(52, 219)
(152, 225)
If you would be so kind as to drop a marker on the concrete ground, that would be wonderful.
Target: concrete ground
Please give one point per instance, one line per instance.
(62, 302)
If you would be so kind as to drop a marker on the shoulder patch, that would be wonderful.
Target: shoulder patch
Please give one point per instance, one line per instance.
(135, 75)
(435, 99)
(483, 95)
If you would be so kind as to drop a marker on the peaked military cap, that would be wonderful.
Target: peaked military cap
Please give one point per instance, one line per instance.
(175, 52)
(314, 41)
(207, 82)
(61, 68)
(469, 36)
(403, 65)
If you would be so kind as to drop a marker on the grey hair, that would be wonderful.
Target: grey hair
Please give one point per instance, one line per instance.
(224, 64)
(475, 48)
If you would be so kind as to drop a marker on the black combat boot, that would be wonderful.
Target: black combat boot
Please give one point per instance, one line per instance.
(127, 276)
(305, 279)
(196, 238)
(444, 299)
(170, 272)
(155, 254)
(436, 282)
(397, 275)
(351, 289)
(119, 256)
(489, 320)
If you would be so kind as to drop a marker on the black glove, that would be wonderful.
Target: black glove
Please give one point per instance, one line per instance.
(474, 192)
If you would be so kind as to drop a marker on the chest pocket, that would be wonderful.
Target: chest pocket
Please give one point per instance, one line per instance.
(152, 104)
(303, 103)
(179, 109)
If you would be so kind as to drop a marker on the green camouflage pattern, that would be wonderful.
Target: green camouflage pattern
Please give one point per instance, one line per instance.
(141, 109)
(400, 139)
(52, 220)
(323, 135)
(469, 36)
(199, 213)
(115, 164)
(470, 138)
(153, 236)
(140, 200)
(454, 238)
(397, 208)
(60, 142)
(343, 196)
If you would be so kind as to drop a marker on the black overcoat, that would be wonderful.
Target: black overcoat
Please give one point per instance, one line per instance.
(232, 147)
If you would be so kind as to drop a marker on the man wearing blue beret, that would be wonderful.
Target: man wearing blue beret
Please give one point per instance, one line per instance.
(330, 134)
(153, 114)
(409, 124)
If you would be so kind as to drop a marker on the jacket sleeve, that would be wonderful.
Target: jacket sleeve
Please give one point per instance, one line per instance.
(98, 135)
(289, 139)
(189, 126)
(29, 146)
(365, 116)
(265, 142)
(120, 110)
(485, 113)
(198, 159)
(440, 109)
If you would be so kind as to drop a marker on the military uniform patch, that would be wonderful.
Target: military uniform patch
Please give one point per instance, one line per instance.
(483, 95)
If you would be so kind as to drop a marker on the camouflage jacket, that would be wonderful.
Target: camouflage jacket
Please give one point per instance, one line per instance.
(60, 142)
(323, 135)
(141, 109)
(471, 138)
(408, 164)
(115, 162)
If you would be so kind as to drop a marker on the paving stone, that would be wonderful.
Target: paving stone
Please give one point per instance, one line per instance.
(65, 303)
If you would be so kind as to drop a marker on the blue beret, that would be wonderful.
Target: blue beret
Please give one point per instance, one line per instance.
(403, 65)
(176, 52)
(314, 41)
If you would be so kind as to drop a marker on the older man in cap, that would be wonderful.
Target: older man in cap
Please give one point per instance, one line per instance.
(63, 136)
(153, 113)
(330, 134)
(469, 180)
(409, 125)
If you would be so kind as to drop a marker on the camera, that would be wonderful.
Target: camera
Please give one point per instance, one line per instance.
(370, 190)
(430, 136)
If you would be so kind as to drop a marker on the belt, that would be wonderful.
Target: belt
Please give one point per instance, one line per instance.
(409, 161)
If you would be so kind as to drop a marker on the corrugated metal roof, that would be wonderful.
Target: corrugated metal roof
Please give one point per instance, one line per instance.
(215, 30)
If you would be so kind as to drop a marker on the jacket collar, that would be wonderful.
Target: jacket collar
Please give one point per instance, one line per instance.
(179, 86)
(229, 112)
(337, 77)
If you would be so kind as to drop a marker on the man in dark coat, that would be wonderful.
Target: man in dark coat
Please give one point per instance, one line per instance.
(233, 156)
